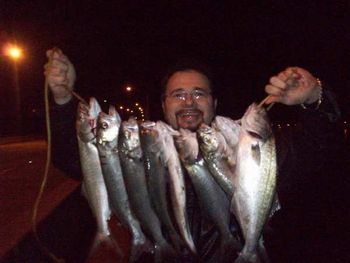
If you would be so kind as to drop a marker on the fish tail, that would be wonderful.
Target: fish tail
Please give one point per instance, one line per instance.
(139, 247)
(106, 241)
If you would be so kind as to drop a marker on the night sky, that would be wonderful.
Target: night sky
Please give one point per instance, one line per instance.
(114, 43)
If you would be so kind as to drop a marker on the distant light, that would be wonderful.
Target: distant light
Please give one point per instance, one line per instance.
(345, 122)
(136, 104)
(127, 109)
(13, 51)
(288, 124)
(131, 111)
(121, 107)
(128, 88)
(104, 101)
(30, 161)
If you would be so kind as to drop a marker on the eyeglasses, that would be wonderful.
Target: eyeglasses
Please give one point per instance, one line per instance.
(180, 95)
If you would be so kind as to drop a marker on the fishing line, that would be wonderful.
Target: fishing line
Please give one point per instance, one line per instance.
(48, 161)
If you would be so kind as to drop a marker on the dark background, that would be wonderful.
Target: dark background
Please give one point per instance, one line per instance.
(115, 43)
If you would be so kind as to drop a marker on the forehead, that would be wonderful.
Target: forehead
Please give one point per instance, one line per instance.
(187, 80)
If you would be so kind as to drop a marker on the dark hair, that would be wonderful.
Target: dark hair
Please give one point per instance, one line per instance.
(188, 64)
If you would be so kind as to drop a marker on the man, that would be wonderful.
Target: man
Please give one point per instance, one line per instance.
(188, 101)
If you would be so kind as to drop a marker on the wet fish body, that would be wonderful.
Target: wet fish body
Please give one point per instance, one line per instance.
(216, 153)
(132, 161)
(108, 126)
(176, 182)
(94, 187)
(213, 200)
(255, 181)
(230, 130)
(152, 145)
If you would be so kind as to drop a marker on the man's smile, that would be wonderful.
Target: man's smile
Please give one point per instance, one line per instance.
(189, 114)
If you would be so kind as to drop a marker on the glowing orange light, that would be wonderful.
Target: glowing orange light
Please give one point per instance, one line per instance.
(128, 89)
(13, 51)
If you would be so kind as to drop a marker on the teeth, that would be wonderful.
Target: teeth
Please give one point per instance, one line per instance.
(188, 113)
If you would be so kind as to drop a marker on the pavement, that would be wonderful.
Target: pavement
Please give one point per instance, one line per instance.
(64, 225)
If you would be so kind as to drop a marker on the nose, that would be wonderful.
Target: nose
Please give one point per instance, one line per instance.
(189, 100)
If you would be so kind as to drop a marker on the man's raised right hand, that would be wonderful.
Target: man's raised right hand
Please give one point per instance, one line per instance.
(60, 74)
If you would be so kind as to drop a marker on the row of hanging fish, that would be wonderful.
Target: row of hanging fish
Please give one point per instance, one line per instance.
(131, 168)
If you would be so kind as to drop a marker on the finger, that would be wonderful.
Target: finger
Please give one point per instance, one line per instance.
(273, 90)
(56, 68)
(57, 81)
(293, 72)
(277, 82)
(55, 71)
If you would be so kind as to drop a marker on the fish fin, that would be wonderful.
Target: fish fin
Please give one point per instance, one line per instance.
(138, 248)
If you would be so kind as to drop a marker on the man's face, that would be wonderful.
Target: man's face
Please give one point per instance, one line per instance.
(188, 101)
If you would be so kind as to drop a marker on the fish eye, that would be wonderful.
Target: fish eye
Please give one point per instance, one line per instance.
(104, 125)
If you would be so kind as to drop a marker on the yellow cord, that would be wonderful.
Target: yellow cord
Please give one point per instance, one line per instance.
(47, 166)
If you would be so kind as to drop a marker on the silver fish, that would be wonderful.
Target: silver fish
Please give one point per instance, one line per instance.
(177, 182)
(230, 131)
(107, 143)
(132, 161)
(255, 181)
(157, 175)
(94, 186)
(213, 201)
(216, 153)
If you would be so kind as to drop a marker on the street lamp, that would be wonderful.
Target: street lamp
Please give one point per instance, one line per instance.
(15, 53)
(128, 89)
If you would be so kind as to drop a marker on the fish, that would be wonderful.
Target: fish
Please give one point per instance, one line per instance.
(255, 182)
(132, 161)
(230, 131)
(176, 183)
(93, 186)
(216, 153)
(213, 201)
(157, 174)
(108, 126)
